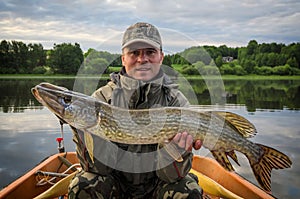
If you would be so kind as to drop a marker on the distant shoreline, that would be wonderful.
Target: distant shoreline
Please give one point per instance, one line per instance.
(106, 76)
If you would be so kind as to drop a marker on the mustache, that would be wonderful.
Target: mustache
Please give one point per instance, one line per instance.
(144, 66)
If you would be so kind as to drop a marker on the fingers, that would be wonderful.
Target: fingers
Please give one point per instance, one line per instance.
(197, 144)
(189, 143)
(183, 140)
(177, 138)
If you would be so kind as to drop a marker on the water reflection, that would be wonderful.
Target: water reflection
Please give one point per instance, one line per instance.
(25, 141)
(264, 94)
(28, 130)
(16, 95)
(256, 94)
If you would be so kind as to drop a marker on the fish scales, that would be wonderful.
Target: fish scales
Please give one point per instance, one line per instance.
(158, 129)
(221, 132)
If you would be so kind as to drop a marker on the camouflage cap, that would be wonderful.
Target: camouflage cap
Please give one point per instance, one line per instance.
(144, 33)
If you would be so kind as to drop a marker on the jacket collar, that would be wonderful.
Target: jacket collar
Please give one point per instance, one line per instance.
(130, 92)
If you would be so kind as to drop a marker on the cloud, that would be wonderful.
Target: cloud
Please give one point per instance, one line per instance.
(92, 23)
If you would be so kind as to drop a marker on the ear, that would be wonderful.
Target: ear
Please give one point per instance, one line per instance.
(162, 57)
(123, 60)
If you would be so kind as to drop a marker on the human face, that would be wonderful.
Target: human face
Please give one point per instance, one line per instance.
(143, 63)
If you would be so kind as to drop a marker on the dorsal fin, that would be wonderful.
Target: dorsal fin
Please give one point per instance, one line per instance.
(239, 123)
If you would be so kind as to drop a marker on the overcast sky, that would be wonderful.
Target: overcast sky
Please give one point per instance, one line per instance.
(100, 24)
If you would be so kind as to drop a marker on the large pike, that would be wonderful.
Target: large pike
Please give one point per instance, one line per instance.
(222, 133)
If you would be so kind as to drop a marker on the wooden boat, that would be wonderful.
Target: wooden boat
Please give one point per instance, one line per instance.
(213, 178)
(26, 186)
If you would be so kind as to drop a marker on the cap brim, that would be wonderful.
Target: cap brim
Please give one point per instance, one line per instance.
(141, 41)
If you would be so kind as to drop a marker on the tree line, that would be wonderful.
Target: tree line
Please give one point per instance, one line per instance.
(261, 59)
(17, 57)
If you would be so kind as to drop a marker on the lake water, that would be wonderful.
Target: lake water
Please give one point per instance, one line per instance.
(28, 131)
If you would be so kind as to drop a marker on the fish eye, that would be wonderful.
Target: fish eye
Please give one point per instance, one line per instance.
(65, 101)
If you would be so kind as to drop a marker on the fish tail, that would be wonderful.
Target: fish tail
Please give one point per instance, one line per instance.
(270, 159)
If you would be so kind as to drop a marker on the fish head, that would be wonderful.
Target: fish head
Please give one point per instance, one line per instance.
(77, 109)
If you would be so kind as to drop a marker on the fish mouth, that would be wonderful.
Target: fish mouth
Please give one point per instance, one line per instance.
(69, 106)
(53, 97)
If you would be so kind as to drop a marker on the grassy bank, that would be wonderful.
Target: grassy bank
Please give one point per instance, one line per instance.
(224, 77)
(57, 76)
(248, 77)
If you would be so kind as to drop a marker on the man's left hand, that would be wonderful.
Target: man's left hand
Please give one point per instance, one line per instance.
(186, 141)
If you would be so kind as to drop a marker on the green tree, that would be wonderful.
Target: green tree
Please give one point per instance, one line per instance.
(36, 56)
(190, 70)
(248, 66)
(239, 70)
(95, 66)
(282, 70)
(242, 53)
(194, 54)
(198, 65)
(263, 70)
(66, 58)
(219, 61)
(111, 59)
(226, 69)
(272, 57)
(276, 48)
(292, 62)
(265, 48)
(117, 61)
(224, 50)
(252, 47)
(167, 60)
(6, 60)
(293, 50)
(19, 55)
(213, 51)
(281, 59)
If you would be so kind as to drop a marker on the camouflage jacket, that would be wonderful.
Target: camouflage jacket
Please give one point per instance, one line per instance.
(125, 92)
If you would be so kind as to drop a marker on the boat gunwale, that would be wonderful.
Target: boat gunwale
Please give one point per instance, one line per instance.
(197, 164)
(23, 182)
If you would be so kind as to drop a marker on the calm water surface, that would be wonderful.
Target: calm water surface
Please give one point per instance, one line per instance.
(28, 131)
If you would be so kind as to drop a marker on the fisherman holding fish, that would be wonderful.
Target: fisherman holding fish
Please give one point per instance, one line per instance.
(134, 135)
(141, 84)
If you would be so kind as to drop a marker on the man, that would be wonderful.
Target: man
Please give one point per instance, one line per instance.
(140, 84)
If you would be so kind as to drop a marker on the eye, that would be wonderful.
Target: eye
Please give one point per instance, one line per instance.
(150, 52)
(65, 101)
(135, 53)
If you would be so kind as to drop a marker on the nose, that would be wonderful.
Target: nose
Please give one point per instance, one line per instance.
(142, 57)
